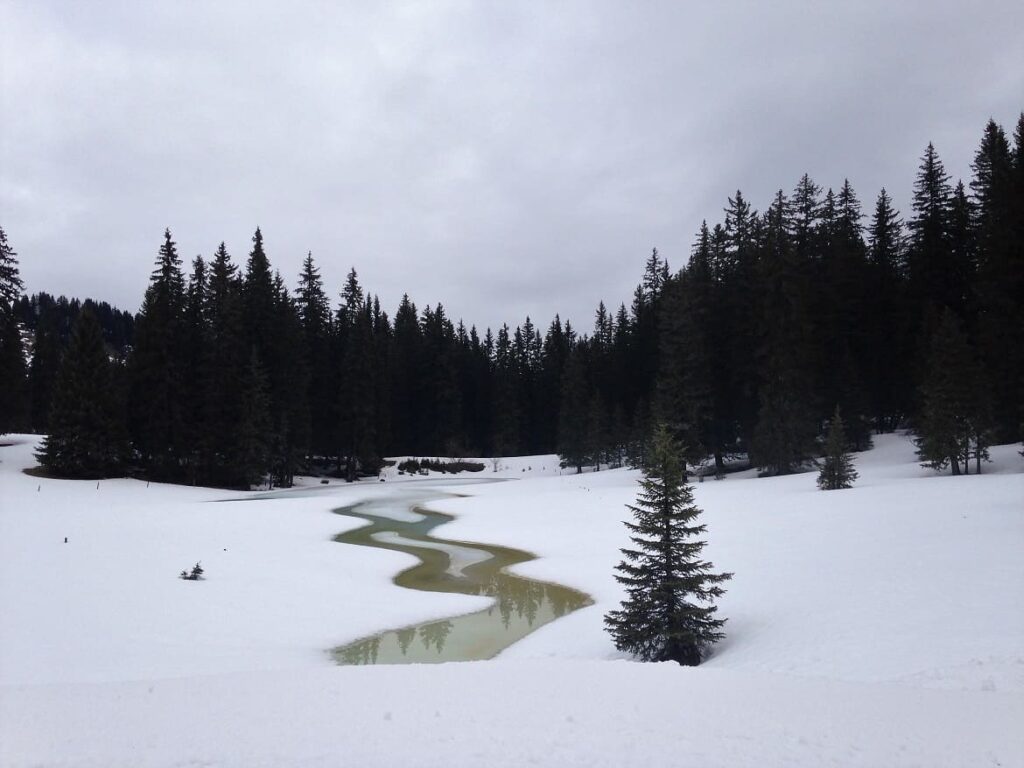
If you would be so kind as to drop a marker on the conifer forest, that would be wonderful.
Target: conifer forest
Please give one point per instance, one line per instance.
(788, 309)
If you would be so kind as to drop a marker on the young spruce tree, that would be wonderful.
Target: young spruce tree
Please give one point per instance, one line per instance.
(837, 470)
(667, 615)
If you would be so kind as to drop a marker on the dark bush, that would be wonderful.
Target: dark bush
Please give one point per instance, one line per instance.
(451, 467)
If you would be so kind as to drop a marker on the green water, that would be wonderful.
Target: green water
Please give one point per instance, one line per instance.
(520, 605)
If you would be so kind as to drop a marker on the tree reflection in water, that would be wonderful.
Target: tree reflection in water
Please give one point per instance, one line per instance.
(434, 635)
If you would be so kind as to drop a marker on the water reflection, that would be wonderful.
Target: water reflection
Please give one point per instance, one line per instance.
(520, 605)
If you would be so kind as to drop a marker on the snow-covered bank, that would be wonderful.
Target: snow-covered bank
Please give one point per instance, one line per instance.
(878, 626)
(107, 604)
(907, 576)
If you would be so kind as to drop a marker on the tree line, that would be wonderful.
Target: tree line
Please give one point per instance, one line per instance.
(227, 377)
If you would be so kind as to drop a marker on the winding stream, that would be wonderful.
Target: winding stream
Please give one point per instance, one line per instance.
(521, 605)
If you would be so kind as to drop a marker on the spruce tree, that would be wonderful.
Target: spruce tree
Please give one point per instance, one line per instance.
(668, 613)
(253, 442)
(573, 421)
(315, 316)
(14, 400)
(195, 390)
(406, 353)
(157, 403)
(46, 354)
(507, 416)
(785, 431)
(690, 385)
(836, 467)
(87, 437)
(999, 203)
(953, 426)
(933, 278)
(14, 397)
(888, 379)
(224, 370)
(10, 279)
(356, 426)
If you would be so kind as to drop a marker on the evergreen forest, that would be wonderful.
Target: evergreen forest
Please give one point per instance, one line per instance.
(227, 376)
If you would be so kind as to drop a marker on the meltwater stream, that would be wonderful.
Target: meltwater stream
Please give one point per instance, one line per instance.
(520, 605)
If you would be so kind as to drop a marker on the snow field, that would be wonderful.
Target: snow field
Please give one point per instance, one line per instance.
(877, 626)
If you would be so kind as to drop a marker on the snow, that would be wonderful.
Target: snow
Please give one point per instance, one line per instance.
(881, 625)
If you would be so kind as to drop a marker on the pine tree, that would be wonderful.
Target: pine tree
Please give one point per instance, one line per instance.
(157, 405)
(783, 437)
(195, 390)
(507, 417)
(291, 427)
(406, 354)
(691, 360)
(253, 446)
(10, 279)
(46, 354)
(668, 613)
(315, 315)
(837, 467)
(14, 400)
(598, 440)
(932, 274)
(888, 378)
(14, 396)
(87, 437)
(953, 425)
(357, 438)
(574, 413)
(224, 370)
(999, 200)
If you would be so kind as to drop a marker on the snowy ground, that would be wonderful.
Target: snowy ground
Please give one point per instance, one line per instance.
(878, 626)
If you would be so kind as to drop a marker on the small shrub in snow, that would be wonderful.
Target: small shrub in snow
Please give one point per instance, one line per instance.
(836, 468)
(194, 575)
(422, 466)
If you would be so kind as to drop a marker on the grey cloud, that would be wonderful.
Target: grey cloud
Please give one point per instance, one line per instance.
(505, 159)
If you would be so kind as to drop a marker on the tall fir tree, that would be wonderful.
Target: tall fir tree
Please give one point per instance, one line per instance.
(404, 363)
(253, 446)
(933, 275)
(47, 349)
(10, 276)
(315, 317)
(688, 356)
(14, 400)
(783, 438)
(87, 438)
(888, 318)
(573, 424)
(357, 437)
(668, 613)
(195, 390)
(998, 197)
(227, 355)
(158, 368)
(953, 425)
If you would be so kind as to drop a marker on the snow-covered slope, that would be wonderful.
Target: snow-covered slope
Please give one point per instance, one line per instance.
(883, 625)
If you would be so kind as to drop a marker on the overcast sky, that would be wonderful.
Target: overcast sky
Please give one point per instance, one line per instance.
(503, 158)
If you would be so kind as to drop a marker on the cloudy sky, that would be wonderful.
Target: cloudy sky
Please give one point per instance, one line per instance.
(503, 158)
